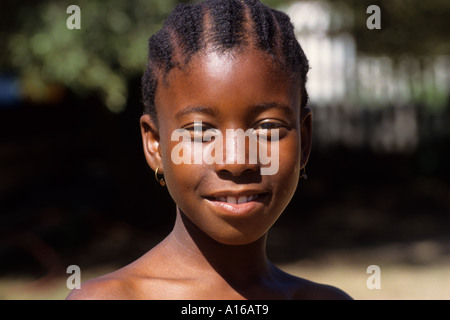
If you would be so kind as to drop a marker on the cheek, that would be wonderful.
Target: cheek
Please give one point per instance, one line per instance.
(289, 168)
(180, 182)
(181, 178)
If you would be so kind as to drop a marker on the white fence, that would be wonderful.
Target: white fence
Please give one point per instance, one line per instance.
(367, 100)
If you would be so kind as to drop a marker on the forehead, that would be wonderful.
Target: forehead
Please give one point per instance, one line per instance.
(230, 78)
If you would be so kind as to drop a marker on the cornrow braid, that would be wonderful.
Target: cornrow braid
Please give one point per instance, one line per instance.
(265, 26)
(223, 25)
(186, 24)
(227, 19)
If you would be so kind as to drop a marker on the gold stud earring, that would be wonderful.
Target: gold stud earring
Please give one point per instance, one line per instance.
(161, 181)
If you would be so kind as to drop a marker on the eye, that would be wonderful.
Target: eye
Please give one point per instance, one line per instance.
(269, 125)
(198, 129)
(266, 128)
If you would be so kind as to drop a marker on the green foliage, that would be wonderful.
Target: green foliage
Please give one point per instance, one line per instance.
(109, 49)
(111, 46)
(408, 27)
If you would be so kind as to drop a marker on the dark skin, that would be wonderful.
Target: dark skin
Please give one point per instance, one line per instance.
(216, 250)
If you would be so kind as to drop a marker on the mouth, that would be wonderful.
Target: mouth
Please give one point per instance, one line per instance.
(237, 204)
(235, 199)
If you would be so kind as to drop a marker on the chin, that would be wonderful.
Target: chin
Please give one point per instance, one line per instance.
(237, 238)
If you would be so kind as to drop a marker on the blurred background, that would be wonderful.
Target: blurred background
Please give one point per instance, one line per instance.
(75, 187)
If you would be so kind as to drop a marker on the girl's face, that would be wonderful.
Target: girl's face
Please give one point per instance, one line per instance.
(230, 202)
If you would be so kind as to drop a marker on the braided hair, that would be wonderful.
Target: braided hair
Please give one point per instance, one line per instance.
(223, 25)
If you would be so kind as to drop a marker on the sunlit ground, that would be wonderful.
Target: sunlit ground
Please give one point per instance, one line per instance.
(419, 270)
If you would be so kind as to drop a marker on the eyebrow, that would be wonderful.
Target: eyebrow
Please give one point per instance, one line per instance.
(196, 109)
(259, 108)
(273, 105)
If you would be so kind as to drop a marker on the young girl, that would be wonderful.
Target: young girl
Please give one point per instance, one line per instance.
(218, 66)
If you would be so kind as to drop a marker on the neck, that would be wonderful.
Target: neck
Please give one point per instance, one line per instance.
(238, 265)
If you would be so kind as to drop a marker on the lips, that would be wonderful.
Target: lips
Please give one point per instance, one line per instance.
(237, 200)
(237, 204)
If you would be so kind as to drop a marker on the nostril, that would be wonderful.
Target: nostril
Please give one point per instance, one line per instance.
(237, 169)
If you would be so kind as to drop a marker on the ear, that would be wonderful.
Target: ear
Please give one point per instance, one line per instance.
(306, 135)
(150, 141)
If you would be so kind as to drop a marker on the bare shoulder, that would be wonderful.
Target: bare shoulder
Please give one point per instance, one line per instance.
(109, 287)
(302, 289)
(142, 279)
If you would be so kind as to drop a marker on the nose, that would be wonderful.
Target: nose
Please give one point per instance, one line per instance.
(239, 155)
(236, 169)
